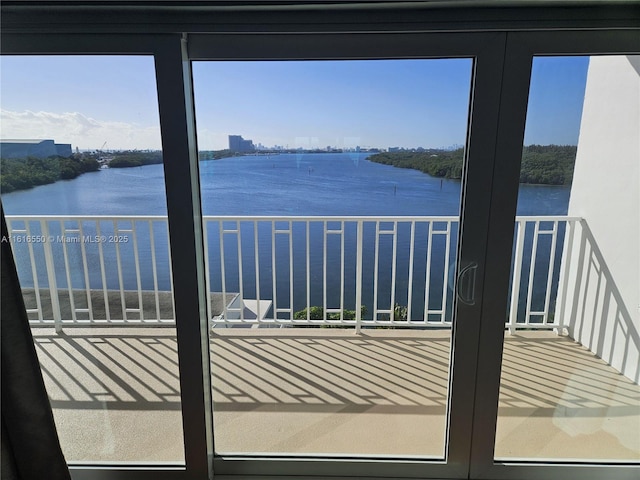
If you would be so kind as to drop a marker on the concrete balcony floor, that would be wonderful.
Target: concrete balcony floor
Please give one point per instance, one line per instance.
(115, 394)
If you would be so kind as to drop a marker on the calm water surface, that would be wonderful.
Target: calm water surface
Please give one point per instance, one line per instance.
(289, 184)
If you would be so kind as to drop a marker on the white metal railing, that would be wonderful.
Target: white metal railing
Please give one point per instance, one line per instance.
(80, 265)
(101, 270)
(543, 268)
(312, 235)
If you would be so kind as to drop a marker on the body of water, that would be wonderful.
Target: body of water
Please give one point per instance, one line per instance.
(288, 184)
(311, 185)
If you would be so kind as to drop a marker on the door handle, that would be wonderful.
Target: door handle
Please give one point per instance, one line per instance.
(466, 284)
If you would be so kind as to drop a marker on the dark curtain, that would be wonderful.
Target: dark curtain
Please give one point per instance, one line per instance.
(30, 446)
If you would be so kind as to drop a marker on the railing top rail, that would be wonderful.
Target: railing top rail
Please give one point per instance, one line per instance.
(319, 218)
(86, 217)
(547, 218)
(334, 218)
(314, 218)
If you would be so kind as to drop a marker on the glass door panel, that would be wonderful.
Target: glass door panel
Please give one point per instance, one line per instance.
(569, 385)
(331, 198)
(83, 188)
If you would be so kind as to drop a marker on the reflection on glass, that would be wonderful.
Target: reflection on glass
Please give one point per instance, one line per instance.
(83, 187)
(570, 373)
(313, 232)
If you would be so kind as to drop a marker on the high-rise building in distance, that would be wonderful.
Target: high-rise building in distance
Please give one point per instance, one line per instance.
(239, 144)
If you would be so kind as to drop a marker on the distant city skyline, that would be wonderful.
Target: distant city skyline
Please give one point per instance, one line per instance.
(105, 102)
(239, 144)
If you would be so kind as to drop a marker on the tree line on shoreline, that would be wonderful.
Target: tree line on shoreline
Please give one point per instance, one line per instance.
(24, 173)
(541, 164)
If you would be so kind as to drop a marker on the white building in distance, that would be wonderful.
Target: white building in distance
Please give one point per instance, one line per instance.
(33, 148)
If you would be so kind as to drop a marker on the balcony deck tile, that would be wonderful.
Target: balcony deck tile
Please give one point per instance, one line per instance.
(115, 394)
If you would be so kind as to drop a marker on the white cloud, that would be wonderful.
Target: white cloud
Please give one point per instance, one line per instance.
(78, 130)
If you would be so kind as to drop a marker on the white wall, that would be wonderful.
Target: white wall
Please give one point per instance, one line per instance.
(602, 306)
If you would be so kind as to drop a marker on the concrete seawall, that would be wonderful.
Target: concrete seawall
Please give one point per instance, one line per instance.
(113, 303)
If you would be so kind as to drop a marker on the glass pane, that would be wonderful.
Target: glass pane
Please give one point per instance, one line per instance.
(569, 387)
(331, 195)
(83, 188)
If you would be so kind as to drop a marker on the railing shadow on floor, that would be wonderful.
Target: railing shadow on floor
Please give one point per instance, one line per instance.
(98, 368)
(396, 371)
(595, 311)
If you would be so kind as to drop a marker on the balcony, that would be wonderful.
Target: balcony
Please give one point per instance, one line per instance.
(320, 390)
(102, 316)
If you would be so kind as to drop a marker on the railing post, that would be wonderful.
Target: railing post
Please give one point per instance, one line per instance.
(51, 276)
(517, 270)
(359, 276)
(563, 281)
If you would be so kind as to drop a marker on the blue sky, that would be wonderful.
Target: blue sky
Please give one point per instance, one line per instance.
(556, 95)
(408, 103)
(87, 101)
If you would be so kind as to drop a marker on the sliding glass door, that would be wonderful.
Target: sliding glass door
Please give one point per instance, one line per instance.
(574, 350)
(83, 188)
(106, 248)
(344, 202)
(365, 279)
(565, 368)
(331, 234)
